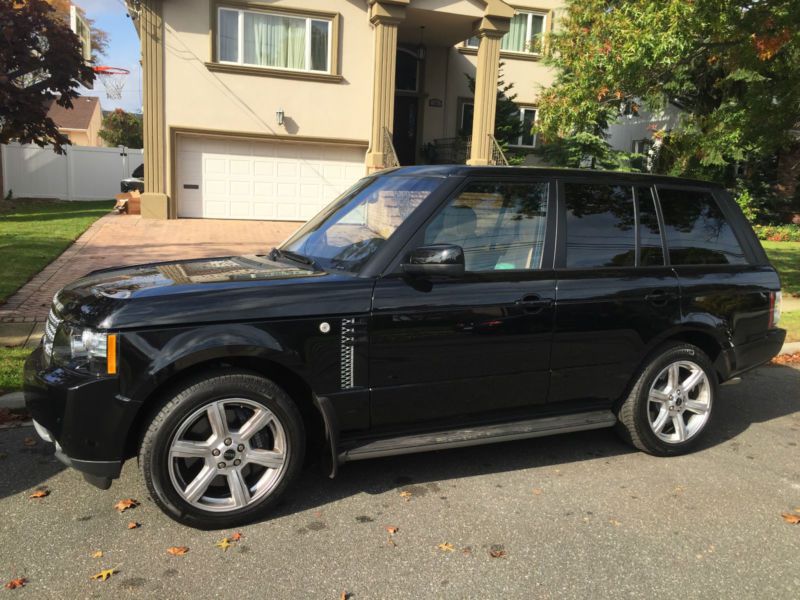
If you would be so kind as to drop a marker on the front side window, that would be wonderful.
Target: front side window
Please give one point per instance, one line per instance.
(346, 234)
(600, 226)
(697, 231)
(274, 40)
(499, 225)
(526, 34)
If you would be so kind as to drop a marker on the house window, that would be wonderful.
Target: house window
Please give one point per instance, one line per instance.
(274, 40)
(525, 35)
(641, 146)
(465, 118)
(527, 116)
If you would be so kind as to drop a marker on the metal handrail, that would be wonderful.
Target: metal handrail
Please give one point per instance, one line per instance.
(498, 156)
(390, 159)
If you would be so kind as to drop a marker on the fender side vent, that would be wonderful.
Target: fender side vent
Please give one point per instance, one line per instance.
(347, 352)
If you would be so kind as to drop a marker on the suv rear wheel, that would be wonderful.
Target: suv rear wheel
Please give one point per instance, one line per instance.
(671, 403)
(222, 450)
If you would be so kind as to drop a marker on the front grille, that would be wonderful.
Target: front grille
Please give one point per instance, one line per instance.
(50, 328)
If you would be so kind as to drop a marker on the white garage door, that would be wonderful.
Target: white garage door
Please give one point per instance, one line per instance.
(219, 178)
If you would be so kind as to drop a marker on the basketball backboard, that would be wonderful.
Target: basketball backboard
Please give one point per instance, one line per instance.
(82, 29)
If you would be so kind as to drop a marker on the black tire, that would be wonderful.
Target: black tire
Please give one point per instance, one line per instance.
(184, 402)
(633, 416)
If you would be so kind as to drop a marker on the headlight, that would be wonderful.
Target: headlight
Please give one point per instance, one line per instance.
(85, 349)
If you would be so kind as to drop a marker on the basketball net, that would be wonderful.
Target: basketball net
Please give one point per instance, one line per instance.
(112, 79)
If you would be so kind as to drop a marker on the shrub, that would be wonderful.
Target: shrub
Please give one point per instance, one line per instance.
(778, 233)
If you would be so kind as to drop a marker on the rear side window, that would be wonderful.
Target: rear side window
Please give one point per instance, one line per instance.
(697, 231)
(600, 226)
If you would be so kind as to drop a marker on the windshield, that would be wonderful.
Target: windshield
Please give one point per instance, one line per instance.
(346, 234)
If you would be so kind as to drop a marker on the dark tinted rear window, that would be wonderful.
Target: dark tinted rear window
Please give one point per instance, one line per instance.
(600, 226)
(697, 231)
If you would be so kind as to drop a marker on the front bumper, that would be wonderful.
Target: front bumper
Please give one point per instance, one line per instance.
(85, 416)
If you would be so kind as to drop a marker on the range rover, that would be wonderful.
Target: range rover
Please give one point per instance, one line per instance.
(425, 308)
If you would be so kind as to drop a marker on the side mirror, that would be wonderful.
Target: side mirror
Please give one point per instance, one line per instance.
(438, 259)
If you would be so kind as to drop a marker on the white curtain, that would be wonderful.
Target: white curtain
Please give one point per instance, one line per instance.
(273, 41)
(514, 40)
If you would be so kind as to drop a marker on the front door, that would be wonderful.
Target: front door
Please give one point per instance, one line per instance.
(453, 349)
(615, 293)
(404, 136)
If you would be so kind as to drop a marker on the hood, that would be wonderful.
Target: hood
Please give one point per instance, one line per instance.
(213, 289)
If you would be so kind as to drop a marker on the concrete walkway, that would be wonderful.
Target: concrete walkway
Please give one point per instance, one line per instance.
(118, 240)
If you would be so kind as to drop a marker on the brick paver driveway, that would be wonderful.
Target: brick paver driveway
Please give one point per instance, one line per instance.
(117, 240)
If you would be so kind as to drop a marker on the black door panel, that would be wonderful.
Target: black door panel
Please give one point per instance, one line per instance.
(461, 346)
(605, 320)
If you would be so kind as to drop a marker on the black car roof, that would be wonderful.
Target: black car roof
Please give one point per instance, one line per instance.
(468, 170)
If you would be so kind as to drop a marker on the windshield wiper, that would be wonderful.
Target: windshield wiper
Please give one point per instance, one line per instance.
(295, 257)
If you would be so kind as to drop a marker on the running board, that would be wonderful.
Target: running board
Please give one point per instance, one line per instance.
(487, 434)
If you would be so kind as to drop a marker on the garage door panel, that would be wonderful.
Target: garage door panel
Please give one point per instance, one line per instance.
(240, 179)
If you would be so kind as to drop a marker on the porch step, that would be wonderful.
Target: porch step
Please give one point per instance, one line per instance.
(487, 434)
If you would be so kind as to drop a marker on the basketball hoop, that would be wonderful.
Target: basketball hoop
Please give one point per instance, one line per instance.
(113, 80)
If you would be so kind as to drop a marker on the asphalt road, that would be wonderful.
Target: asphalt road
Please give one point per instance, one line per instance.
(572, 516)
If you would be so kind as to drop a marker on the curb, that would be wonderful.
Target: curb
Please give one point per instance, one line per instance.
(790, 348)
(14, 400)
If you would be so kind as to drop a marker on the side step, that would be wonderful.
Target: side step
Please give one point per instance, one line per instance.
(487, 434)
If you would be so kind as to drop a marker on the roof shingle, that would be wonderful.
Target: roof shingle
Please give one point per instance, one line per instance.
(77, 117)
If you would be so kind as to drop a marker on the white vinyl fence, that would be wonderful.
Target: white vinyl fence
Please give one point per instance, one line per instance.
(83, 173)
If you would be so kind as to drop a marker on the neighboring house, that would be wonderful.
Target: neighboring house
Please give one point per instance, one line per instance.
(81, 123)
(269, 109)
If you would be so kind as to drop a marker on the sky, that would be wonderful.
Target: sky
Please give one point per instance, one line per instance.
(123, 51)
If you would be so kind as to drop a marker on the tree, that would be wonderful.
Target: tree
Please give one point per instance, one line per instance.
(122, 129)
(731, 66)
(40, 60)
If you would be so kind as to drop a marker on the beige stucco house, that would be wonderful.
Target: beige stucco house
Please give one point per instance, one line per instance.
(268, 109)
(81, 123)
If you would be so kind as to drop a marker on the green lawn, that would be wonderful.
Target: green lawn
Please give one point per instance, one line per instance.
(34, 232)
(11, 361)
(785, 256)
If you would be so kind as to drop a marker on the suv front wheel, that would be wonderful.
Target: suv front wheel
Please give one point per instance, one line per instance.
(222, 450)
(671, 402)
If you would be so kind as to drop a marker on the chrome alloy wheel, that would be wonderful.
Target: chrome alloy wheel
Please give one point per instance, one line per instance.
(227, 455)
(679, 402)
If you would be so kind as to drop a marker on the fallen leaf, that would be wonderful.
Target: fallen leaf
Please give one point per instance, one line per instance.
(236, 537)
(104, 574)
(497, 553)
(134, 525)
(392, 529)
(177, 550)
(614, 522)
(466, 551)
(344, 595)
(224, 543)
(537, 491)
(97, 554)
(29, 441)
(790, 518)
(445, 547)
(40, 494)
(16, 583)
(405, 494)
(787, 359)
(125, 504)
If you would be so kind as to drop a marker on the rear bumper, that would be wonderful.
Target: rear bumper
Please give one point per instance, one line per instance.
(744, 357)
(84, 416)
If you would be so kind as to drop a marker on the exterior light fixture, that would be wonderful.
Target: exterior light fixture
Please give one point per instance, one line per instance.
(279, 116)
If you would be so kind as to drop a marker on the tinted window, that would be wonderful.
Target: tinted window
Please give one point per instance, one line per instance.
(600, 226)
(650, 251)
(500, 226)
(697, 232)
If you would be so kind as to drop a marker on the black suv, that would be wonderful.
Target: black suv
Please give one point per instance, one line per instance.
(426, 308)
